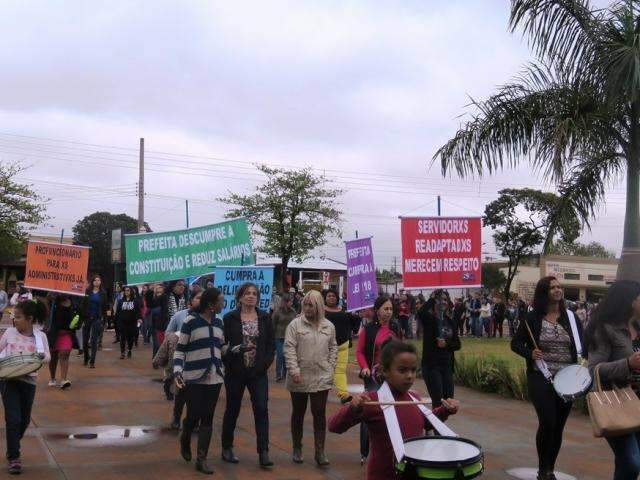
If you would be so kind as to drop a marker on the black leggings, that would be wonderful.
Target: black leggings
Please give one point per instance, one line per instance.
(128, 335)
(201, 405)
(439, 381)
(552, 414)
(318, 411)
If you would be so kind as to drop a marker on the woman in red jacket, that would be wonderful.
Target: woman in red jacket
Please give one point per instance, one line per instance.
(399, 365)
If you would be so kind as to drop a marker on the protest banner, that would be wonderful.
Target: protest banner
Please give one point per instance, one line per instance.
(158, 257)
(56, 267)
(229, 279)
(362, 287)
(441, 252)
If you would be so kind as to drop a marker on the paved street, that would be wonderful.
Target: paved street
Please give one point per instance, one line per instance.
(119, 414)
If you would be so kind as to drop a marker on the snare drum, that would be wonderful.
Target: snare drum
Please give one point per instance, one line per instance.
(18, 365)
(441, 458)
(573, 381)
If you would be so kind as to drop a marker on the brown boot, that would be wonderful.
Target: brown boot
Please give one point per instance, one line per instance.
(321, 458)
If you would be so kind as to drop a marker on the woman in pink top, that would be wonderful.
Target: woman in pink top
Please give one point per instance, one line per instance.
(371, 338)
(18, 393)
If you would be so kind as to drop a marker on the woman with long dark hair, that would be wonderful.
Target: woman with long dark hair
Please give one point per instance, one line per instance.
(553, 345)
(127, 317)
(249, 333)
(612, 339)
(371, 338)
(198, 369)
(94, 307)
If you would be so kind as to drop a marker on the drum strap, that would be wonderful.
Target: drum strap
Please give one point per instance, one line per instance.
(393, 426)
(574, 332)
(39, 343)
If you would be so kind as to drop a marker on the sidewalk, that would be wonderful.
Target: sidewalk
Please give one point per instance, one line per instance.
(119, 413)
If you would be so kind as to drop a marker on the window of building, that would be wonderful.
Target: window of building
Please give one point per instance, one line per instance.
(596, 278)
(572, 276)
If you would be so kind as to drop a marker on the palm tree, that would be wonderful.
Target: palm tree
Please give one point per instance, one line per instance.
(574, 114)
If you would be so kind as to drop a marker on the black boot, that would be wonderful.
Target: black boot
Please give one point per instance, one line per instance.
(185, 442)
(204, 439)
(228, 456)
(264, 459)
(296, 436)
(321, 458)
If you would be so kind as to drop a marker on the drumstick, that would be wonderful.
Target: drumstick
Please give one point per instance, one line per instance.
(526, 324)
(400, 402)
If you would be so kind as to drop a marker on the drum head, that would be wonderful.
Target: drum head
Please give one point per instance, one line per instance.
(442, 451)
(572, 380)
(19, 365)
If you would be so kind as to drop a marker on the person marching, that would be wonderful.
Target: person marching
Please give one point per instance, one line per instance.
(159, 317)
(343, 322)
(612, 339)
(371, 337)
(439, 343)
(281, 319)
(94, 307)
(546, 340)
(18, 393)
(399, 364)
(311, 352)
(249, 333)
(64, 319)
(164, 358)
(198, 369)
(127, 317)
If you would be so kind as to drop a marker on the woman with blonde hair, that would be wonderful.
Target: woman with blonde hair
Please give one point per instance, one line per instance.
(310, 352)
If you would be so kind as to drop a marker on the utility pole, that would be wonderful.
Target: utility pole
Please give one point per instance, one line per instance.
(186, 206)
(141, 188)
(439, 209)
(395, 283)
(356, 234)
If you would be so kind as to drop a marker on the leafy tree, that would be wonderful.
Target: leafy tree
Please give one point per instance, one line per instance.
(386, 277)
(293, 212)
(95, 231)
(574, 114)
(21, 209)
(593, 249)
(493, 279)
(521, 221)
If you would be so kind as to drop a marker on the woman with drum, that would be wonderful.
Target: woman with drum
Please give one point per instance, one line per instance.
(548, 342)
(399, 365)
(22, 343)
(311, 352)
(612, 339)
(60, 336)
(94, 307)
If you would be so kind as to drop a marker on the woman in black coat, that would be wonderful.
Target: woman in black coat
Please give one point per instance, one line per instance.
(249, 335)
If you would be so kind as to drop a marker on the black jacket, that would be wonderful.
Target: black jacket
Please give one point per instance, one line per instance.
(433, 355)
(265, 348)
(128, 311)
(159, 313)
(521, 342)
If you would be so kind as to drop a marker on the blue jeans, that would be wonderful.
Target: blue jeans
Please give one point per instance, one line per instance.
(146, 327)
(281, 366)
(155, 343)
(627, 452)
(476, 326)
(17, 397)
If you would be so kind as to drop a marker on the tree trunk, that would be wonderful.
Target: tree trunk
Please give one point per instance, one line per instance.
(629, 267)
(283, 280)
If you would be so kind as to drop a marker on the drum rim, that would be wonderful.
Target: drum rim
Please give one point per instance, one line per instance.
(33, 359)
(445, 463)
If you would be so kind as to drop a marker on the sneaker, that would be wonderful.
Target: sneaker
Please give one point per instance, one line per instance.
(15, 467)
(122, 356)
(65, 384)
(52, 383)
(80, 353)
(92, 365)
(129, 354)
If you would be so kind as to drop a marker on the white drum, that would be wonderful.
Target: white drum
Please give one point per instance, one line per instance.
(441, 458)
(573, 381)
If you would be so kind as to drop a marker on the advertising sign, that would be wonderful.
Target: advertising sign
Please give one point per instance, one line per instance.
(362, 288)
(56, 267)
(441, 252)
(229, 279)
(158, 257)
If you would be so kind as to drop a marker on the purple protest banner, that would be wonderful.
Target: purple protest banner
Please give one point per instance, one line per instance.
(362, 288)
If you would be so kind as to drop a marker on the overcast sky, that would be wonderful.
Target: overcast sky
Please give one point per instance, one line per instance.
(364, 91)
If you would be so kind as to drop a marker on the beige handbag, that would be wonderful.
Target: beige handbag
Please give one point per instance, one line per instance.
(613, 412)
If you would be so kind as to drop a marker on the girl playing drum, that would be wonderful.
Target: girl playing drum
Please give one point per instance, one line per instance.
(399, 366)
(18, 393)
